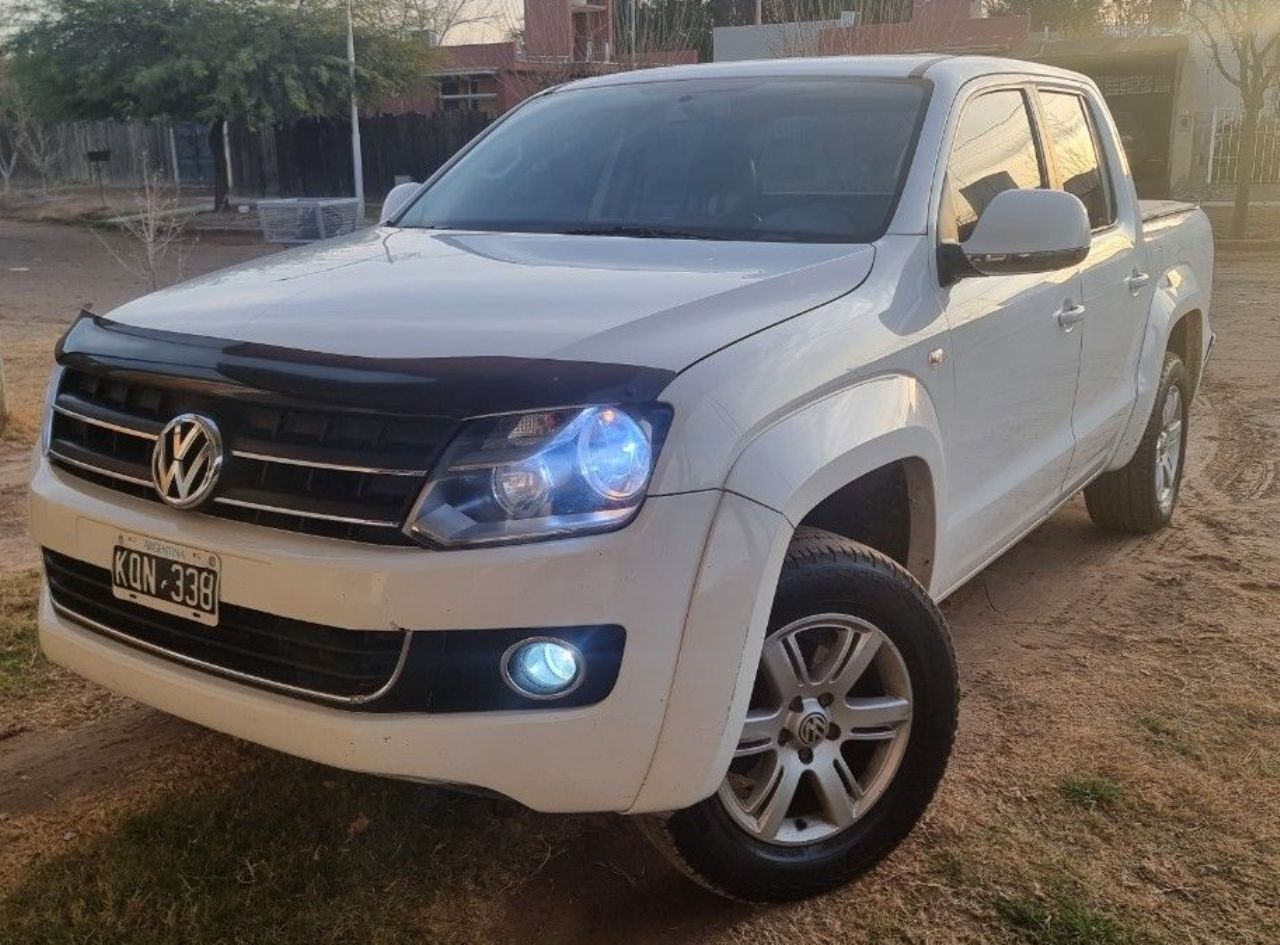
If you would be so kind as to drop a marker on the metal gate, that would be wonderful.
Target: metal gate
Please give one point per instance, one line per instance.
(1224, 153)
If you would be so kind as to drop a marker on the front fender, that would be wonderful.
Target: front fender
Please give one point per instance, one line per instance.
(808, 455)
(1179, 293)
(776, 480)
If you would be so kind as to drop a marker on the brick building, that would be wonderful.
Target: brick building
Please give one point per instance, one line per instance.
(561, 40)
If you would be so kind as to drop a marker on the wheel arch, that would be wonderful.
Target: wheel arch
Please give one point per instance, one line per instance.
(873, 447)
(1177, 321)
(1186, 340)
(903, 524)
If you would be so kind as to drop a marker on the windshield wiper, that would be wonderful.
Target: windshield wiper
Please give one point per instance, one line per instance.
(642, 232)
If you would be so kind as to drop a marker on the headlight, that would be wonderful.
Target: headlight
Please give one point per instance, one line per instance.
(553, 473)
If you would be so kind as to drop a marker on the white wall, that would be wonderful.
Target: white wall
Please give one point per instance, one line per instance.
(769, 41)
(1212, 89)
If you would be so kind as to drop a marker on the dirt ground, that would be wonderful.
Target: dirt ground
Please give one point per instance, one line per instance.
(1116, 776)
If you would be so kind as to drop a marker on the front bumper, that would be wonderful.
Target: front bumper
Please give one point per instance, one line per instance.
(628, 752)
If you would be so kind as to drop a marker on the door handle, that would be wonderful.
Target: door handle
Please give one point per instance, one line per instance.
(1070, 315)
(1138, 281)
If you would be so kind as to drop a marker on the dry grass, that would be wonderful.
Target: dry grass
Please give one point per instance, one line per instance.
(269, 849)
(21, 665)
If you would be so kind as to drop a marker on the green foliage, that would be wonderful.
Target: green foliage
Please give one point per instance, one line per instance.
(276, 850)
(665, 25)
(1077, 17)
(1065, 921)
(258, 61)
(1091, 792)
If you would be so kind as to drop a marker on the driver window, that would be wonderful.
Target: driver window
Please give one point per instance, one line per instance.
(995, 150)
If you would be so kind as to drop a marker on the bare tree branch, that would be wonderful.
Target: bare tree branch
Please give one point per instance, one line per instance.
(158, 228)
(1208, 37)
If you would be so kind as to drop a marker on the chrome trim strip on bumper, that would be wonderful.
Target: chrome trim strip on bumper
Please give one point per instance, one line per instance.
(337, 467)
(236, 675)
(106, 425)
(343, 519)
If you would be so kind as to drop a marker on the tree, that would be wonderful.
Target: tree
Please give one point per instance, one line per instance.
(8, 125)
(22, 134)
(1070, 17)
(438, 18)
(256, 61)
(1242, 37)
(156, 227)
(8, 155)
(1082, 18)
(644, 27)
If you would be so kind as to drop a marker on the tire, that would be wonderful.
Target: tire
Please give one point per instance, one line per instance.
(1130, 499)
(897, 764)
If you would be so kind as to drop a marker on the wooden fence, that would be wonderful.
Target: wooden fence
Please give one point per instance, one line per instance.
(136, 149)
(309, 158)
(313, 157)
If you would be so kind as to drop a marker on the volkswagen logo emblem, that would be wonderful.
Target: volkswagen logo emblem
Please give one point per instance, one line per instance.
(812, 729)
(187, 460)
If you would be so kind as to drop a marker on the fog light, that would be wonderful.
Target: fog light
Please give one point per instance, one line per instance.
(542, 668)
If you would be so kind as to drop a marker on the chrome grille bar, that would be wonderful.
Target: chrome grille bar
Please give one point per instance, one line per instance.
(320, 516)
(336, 467)
(106, 425)
(99, 470)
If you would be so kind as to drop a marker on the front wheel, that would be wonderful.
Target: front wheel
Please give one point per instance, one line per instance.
(847, 735)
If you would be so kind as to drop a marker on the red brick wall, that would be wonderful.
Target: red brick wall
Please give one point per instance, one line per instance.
(935, 25)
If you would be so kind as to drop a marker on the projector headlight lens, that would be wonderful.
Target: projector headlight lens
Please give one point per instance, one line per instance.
(543, 669)
(553, 473)
(613, 455)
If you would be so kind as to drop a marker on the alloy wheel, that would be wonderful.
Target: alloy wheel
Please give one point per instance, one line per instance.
(828, 724)
(1169, 451)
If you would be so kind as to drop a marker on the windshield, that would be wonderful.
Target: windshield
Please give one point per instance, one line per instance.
(769, 159)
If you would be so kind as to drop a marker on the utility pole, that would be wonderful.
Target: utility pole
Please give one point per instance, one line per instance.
(357, 159)
(631, 18)
(759, 12)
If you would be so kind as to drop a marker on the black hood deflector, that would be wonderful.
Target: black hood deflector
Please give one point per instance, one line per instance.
(457, 387)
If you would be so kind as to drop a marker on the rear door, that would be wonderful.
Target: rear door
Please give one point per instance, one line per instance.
(1114, 282)
(1015, 363)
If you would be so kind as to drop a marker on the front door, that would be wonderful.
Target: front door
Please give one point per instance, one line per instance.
(1015, 360)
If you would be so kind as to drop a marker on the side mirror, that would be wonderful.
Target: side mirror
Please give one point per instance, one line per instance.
(396, 200)
(1025, 231)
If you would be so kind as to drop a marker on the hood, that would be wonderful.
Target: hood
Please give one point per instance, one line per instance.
(415, 294)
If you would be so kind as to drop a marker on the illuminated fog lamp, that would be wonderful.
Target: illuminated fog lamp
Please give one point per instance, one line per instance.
(543, 668)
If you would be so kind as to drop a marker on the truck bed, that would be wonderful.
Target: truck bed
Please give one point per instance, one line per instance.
(1155, 209)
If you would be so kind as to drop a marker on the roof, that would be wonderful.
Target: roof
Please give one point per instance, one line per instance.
(954, 69)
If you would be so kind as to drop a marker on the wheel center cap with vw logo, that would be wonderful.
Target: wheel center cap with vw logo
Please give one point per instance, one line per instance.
(812, 728)
(187, 460)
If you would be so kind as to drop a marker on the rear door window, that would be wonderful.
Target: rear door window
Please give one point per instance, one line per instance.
(1074, 140)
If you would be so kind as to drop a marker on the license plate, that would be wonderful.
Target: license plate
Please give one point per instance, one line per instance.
(171, 578)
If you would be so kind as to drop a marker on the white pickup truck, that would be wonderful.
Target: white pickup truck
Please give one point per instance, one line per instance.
(622, 466)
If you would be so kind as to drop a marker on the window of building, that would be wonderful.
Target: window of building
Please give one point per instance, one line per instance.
(468, 93)
(994, 150)
(1069, 127)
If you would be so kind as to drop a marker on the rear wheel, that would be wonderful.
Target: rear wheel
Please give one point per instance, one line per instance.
(1140, 497)
(847, 734)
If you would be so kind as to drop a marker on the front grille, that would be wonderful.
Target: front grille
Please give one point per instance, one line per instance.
(323, 663)
(342, 473)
